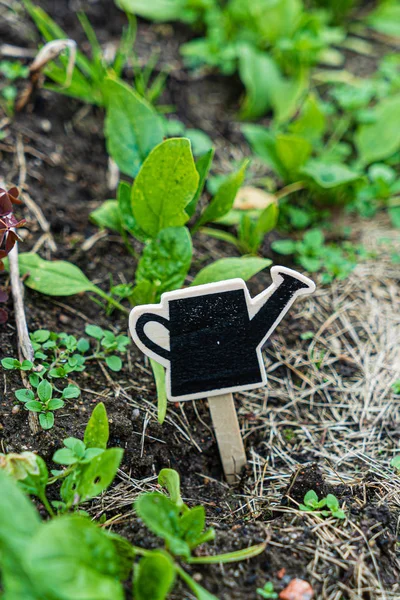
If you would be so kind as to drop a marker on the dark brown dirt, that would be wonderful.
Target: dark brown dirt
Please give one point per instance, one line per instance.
(67, 166)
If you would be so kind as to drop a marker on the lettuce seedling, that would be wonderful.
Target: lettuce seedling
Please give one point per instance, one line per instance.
(312, 504)
(183, 530)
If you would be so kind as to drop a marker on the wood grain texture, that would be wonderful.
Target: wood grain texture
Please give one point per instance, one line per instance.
(227, 432)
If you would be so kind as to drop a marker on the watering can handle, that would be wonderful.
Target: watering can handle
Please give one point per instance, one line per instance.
(143, 337)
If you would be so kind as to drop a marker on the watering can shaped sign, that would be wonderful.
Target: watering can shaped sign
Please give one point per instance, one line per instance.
(209, 337)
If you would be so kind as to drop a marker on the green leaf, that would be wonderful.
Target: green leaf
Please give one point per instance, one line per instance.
(203, 165)
(285, 247)
(259, 74)
(224, 198)
(71, 391)
(125, 211)
(94, 331)
(311, 498)
(65, 456)
(292, 152)
(10, 363)
(54, 278)
(386, 18)
(107, 216)
(21, 522)
(40, 336)
(156, 10)
(34, 406)
(97, 430)
(161, 516)
(55, 404)
(154, 577)
(395, 462)
(24, 395)
(44, 390)
(70, 557)
(159, 376)
(114, 363)
(166, 260)
(132, 127)
(380, 139)
(229, 557)
(165, 185)
(329, 175)
(46, 420)
(394, 214)
(83, 345)
(169, 478)
(332, 502)
(263, 143)
(228, 268)
(192, 524)
(98, 474)
(267, 219)
(311, 122)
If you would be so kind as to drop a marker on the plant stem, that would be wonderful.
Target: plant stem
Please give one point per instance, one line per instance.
(46, 503)
(110, 299)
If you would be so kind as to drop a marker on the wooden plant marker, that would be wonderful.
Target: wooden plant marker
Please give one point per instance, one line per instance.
(209, 339)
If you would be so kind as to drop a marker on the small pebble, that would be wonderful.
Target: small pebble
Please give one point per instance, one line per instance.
(64, 319)
(135, 414)
(197, 577)
(15, 409)
(45, 125)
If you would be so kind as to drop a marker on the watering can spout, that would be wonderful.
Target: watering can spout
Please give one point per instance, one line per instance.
(269, 307)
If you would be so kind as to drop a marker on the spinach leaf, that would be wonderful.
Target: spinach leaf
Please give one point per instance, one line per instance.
(227, 268)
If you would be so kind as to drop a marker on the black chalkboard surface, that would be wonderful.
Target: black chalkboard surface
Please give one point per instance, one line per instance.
(209, 337)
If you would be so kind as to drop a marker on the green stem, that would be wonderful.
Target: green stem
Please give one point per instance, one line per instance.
(109, 299)
(46, 503)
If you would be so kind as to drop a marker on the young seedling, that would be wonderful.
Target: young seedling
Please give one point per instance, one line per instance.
(41, 400)
(312, 504)
(183, 530)
(267, 591)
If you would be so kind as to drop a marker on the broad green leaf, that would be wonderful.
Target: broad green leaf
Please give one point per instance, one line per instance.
(19, 522)
(107, 216)
(156, 10)
(114, 363)
(224, 198)
(98, 474)
(54, 278)
(154, 576)
(267, 219)
(192, 524)
(125, 211)
(285, 247)
(203, 165)
(381, 138)
(311, 122)
(44, 390)
(132, 127)
(159, 376)
(34, 406)
(263, 143)
(228, 268)
(169, 478)
(259, 73)
(70, 558)
(24, 395)
(55, 404)
(71, 391)
(65, 456)
(46, 420)
(230, 556)
(166, 260)
(161, 516)
(200, 141)
(292, 152)
(329, 175)
(165, 185)
(386, 18)
(94, 331)
(97, 430)
(394, 214)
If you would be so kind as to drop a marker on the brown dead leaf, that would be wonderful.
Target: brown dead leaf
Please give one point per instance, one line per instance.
(252, 198)
(298, 589)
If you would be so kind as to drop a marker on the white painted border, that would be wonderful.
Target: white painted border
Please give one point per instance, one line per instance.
(253, 305)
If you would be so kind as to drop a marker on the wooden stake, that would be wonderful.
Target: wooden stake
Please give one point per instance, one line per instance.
(227, 432)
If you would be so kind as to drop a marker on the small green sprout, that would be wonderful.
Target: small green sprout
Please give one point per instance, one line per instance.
(312, 504)
(396, 387)
(267, 591)
(395, 462)
(41, 400)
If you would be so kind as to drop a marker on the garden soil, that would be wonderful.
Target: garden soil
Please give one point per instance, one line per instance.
(327, 420)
